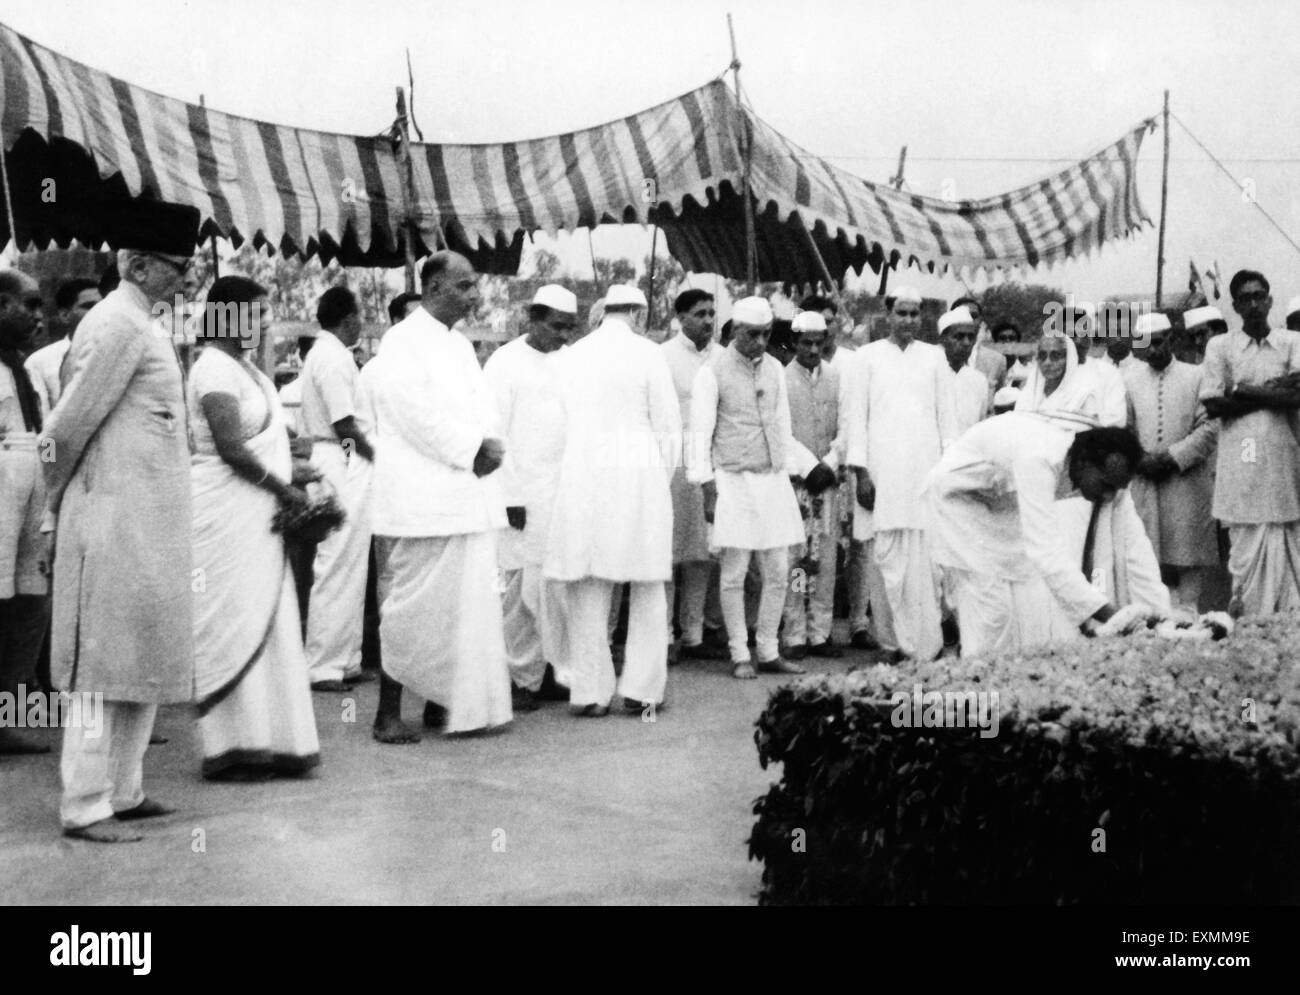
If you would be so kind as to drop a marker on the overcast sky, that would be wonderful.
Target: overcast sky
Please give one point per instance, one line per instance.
(986, 95)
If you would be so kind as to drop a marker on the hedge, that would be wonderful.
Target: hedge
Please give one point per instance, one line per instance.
(1124, 771)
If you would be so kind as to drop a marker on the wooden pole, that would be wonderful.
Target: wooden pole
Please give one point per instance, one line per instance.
(897, 183)
(831, 284)
(747, 154)
(408, 191)
(212, 239)
(1164, 200)
(650, 297)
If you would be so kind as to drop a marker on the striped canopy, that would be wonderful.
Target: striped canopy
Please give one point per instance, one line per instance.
(679, 164)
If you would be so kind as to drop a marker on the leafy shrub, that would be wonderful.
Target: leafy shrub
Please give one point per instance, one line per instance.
(1183, 754)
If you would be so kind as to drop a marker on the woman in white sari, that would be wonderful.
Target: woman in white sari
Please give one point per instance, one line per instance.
(254, 700)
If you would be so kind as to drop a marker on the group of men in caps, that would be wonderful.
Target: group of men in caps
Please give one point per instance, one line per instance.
(511, 505)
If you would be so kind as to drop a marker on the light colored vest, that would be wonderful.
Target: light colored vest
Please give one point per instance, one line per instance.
(814, 408)
(746, 438)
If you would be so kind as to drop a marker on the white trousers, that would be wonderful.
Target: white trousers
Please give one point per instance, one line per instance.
(867, 588)
(691, 595)
(105, 774)
(1265, 567)
(440, 625)
(336, 610)
(998, 617)
(774, 566)
(903, 556)
(645, 658)
(534, 625)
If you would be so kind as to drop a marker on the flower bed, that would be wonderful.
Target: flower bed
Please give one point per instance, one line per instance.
(1137, 770)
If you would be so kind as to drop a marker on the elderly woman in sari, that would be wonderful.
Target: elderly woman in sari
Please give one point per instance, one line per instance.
(254, 701)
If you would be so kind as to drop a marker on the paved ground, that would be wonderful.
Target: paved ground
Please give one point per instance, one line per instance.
(582, 811)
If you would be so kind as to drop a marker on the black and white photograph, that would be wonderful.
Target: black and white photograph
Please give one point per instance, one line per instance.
(680, 454)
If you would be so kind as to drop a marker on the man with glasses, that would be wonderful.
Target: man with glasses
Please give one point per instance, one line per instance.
(1251, 384)
(117, 469)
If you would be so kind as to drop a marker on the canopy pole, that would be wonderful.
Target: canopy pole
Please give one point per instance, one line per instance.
(821, 262)
(1164, 200)
(747, 155)
(408, 191)
(896, 181)
(650, 297)
(212, 239)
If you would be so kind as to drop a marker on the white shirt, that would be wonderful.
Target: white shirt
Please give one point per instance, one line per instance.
(291, 403)
(1112, 395)
(427, 408)
(329, 387)
(901, 418)
(526, 385)
(970, 392)
(43, 369)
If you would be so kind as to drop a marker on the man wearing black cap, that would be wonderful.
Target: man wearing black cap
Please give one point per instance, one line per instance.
(116, 459)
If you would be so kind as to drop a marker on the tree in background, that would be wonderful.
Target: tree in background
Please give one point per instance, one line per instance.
(1025, 304)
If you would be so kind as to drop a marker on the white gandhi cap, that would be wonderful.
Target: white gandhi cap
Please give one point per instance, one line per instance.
(556, 298)
(751, 311)
(624, 295)
(957, 316)
(1200, 315)
(1149, 324)
(809, 321)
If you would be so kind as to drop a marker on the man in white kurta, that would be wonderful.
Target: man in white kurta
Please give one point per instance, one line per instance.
(995, 530)
(1174, 486)
(525, 380)
(744, 454)
(969, 386)
(435, 512)
(72, 301)
(896, 433)
(1251, 384)
(342, 453)
(814, 391)
(612, 521)
(686, 352)
(1111, 397)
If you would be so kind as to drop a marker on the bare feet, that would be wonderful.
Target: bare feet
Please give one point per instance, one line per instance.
(147, 809)
(103, 832)
(744, 672)
(391, 729)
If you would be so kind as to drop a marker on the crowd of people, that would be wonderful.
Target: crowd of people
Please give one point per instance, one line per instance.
(507, 513)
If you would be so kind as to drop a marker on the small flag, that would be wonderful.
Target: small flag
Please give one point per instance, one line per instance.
(1194, 280)
(1213, 274)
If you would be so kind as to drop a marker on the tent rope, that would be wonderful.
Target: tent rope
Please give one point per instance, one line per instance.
(1235, 182)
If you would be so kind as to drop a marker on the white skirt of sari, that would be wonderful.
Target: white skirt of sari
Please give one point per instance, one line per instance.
(252, 688)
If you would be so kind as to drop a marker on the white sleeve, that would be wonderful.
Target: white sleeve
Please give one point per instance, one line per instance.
(704, 419)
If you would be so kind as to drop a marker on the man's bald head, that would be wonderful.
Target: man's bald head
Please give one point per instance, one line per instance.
(450, 287)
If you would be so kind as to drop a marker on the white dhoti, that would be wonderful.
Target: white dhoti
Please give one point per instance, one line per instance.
(533, 625)
(645, 659)
(441, 626)
(910, 585)
(336, 610)
(1265, 565)
(104, 774)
